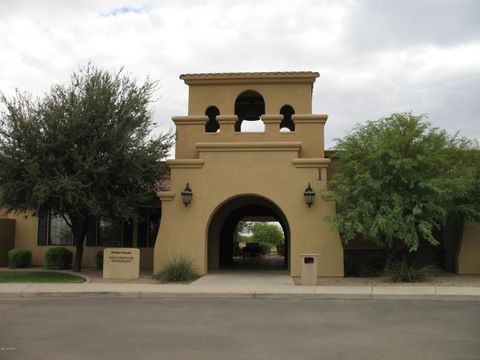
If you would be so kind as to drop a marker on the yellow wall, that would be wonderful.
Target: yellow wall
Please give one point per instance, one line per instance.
(273, 165)
(269, 174)
(296, 95)
(277, 89)
(468, 259)
(308, 129)
(26, 233)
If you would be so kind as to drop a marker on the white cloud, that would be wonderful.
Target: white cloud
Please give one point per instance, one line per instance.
(374, 58)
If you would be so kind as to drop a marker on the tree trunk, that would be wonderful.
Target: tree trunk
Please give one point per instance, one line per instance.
(390, 253)
(79, 229)
(77, 262)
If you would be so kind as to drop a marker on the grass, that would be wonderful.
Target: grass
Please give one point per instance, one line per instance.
(39, 277)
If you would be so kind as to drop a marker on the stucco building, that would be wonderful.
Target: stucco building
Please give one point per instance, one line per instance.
(235, 174)
(222, 175)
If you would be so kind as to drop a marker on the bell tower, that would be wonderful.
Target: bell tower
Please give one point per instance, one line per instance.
(230, 171)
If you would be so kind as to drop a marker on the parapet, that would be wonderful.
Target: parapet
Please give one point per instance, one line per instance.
(219, 103)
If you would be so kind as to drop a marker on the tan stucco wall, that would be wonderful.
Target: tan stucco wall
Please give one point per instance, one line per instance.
(26, 233)
(272, 165)
(309, 129)
(468, 259)
(297, 95)
(228, 174)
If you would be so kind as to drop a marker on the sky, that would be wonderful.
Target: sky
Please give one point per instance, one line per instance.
(374, 57)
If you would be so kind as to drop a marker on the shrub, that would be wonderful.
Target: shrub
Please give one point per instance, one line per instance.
(99, 260)
(177, 270)
(363, 264)
(19, 258)
(58, 258)
(402, 271)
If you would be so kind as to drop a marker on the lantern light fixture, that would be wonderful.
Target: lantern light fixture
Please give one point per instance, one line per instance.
(187, 195)
(309, 195)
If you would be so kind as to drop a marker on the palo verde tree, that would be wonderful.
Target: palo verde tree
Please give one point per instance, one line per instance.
(399, 179)
(259, 232)
(84, 150)
(266, 233)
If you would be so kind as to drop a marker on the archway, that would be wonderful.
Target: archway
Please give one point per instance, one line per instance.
(287, 123)
(223, 226)
(249, 106)
(212, 124)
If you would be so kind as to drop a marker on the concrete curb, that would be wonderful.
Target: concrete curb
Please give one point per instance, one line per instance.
(87, 278)
(9, 291)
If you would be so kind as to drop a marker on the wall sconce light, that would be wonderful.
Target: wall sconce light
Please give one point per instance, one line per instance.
(187, 195)
(309, 194)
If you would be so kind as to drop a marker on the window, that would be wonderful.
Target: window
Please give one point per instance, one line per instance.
(148, 229)
(154, 225)
(53, 230)
(59, 233)
(110, 233)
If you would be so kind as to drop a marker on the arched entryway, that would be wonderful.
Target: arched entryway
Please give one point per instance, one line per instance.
(223, 226)
(249, 106)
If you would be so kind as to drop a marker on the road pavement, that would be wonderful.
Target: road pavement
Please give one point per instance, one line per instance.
(237, 328)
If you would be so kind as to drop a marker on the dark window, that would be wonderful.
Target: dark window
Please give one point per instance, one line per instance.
(287, 123)
(110, 233)
(42, 229)
(127, 234)
(59, 232)
(212, 124)
(154, 225)
(148, 229)
(142, 233)
(53, 230)
(92, 231)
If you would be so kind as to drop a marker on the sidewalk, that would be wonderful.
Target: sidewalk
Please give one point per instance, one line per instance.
(215, 287)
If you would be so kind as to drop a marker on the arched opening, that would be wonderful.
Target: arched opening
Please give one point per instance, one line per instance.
(248, 106)
(287, 123)
(212, 124)
(227, 248)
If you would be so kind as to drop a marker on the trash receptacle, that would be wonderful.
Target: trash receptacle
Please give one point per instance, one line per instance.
(309, 269)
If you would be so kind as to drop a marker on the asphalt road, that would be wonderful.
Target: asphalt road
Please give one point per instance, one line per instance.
(228, 329)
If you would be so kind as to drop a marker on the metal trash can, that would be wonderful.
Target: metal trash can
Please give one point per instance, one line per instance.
(309, 269)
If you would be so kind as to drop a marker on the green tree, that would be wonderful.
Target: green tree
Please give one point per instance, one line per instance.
(399, 179)
(244, 227)
(83, 150)
(466, 204)
(266, 233)
(242, 232)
